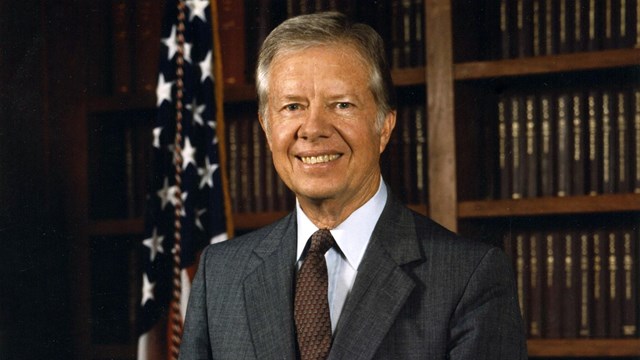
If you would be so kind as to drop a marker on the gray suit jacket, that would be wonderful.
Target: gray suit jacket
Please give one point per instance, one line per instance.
(420, 293)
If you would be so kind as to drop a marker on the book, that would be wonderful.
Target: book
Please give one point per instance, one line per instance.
(522, 257)
(147, 22)
(552, 325)
(578, 144)
(564, 26)
(585, 283)
(122, 55)
(630, 283)
(570, 288)
(536, 285)
(421, 154)
(550, 21)
(614, 292)
(580, 26)
(405, 128)
(563, 181)
(231, 16)
(508, 29)
(600, 285)
(524, 12)
(504, 146)
(547, 151)
(594, 14)
(418, 49)
(532, 149)
(608, 144)
(594, 139)
(234, 162)
(518, 143)
(635, 156)
(623, 144)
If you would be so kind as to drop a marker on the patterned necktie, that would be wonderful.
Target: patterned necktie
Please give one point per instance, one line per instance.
(311, 311)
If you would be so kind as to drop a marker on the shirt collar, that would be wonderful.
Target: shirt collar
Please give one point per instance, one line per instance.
(353, 234)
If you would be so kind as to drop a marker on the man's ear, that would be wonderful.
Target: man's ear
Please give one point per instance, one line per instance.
(387, 128)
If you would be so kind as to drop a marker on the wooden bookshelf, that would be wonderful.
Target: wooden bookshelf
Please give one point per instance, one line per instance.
(583, 347)
(549, 206)
(606, 59)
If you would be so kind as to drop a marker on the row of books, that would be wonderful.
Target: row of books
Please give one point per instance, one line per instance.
(134, 34)
(549, 27)
(577, 284)
(399, 22)
(120, 154)
(569, 142)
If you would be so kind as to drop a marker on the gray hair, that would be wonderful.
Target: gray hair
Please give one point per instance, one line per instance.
(328, 28)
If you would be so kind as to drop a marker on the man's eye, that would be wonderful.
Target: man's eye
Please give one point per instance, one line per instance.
(292, 107)
(343, 105)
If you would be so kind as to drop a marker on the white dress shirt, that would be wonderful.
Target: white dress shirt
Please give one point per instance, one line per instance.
(352, 237)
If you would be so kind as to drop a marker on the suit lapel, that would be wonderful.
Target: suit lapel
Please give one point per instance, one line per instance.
(269, 293)
(381, 287)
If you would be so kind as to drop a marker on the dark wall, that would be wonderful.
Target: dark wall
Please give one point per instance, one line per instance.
(34, 311)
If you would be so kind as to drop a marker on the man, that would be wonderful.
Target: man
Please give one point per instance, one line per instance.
(399, 285)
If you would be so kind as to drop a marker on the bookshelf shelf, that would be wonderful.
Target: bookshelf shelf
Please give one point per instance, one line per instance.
(608, 59)
(549, 206)
(583, 347)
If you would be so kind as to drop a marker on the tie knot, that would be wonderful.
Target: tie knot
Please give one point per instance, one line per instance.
(321, 241)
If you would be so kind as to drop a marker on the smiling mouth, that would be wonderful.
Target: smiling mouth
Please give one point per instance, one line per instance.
(318, 159)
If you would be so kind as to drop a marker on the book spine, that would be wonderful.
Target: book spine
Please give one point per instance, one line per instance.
(551, 25)
(570, 306)
(406, 21)
(614, 290)
(396, 35)
(608, 142)
(553, 287)
(536, 286)
(594, 135)
(122, 46)
(524, 10)
(418, 47)
(537, 28)
(562, 146)
(563, 28)
(522, 274)
(517, 147)
(148, 17)
(503, 149)
(129, 170)
(593, 25)
(421, 155)
(600, 323)
(531, 158)
(547, 160)
(232, 35)
(623, 145)
(636, 140)
(586, 286)
(580, 26)
(630, 283)
(578, 146)
(234, 163)
(609, 40)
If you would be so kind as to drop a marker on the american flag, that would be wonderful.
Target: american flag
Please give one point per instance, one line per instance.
(186, 204)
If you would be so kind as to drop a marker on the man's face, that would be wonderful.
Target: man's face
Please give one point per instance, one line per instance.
(321, 125)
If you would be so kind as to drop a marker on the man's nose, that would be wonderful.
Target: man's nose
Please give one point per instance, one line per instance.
(316, 124)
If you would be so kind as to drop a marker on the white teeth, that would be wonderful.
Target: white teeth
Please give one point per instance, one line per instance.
(318, 159)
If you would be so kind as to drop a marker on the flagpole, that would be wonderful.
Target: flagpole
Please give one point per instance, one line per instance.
(220, 127)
